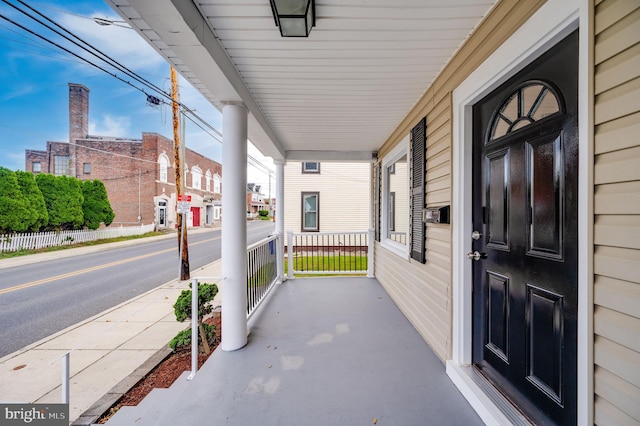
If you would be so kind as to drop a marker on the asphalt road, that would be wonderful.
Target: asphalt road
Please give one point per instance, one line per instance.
(39, 299)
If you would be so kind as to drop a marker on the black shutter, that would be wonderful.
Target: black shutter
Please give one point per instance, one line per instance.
(418, 228)
(376, 201)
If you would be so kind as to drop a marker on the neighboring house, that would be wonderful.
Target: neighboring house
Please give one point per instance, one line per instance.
(530, 292)
(326, 197)
(255, 200)
(138, 174)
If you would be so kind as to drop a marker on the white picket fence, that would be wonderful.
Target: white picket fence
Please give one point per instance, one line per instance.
(37, 240)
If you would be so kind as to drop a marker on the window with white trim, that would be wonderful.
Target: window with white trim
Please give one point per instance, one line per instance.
(196, 177)
(310, 212)
(163, 160)
(217, 181)
(395, 200)
(207, 178)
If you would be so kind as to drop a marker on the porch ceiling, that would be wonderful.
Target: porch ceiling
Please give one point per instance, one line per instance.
(338, 94)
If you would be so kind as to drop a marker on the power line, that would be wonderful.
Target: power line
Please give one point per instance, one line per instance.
(115, 65)
(101, 56)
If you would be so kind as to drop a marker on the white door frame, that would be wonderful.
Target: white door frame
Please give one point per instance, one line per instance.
(550, 24)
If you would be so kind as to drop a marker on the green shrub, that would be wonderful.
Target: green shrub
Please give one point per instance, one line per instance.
(34, 200)
(182, 310)
(183, 338)
(15, 212)
(95, 206)
(63, 198)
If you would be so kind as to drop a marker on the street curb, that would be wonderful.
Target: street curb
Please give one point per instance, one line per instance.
(108, 400)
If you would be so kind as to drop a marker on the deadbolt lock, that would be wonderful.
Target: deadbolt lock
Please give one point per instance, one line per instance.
(476, 255)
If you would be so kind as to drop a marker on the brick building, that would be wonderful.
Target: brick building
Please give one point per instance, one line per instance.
(139, 174)
(255, 200)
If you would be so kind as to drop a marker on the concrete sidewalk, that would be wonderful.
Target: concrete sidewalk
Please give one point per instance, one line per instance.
(109, 352)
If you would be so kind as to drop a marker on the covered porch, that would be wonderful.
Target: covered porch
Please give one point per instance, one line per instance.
(321, 351)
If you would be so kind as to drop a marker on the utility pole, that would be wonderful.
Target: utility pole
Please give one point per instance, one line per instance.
(177, 144)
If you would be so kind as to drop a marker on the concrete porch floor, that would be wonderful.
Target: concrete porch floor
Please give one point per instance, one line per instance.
(321, 351)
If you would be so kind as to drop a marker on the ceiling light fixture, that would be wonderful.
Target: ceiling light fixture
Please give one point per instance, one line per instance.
(294, 17)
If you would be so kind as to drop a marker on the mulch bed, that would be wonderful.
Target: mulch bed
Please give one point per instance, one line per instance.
(165, 373)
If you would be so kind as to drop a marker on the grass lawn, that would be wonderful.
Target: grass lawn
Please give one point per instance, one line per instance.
(356, 264)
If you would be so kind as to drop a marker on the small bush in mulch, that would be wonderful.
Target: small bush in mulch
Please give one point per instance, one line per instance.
(165, 373)
(182, 310)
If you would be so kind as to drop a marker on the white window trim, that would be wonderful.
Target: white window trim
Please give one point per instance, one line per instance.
(402, 250)
(550, 24)
(217, 183)
(166, 171)
(196, 177)
(317, 212)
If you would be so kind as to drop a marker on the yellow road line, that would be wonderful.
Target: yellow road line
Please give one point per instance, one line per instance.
(93, 268)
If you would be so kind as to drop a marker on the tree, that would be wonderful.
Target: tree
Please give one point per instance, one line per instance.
(15, 216)
(96, 207)
(63, 198)
(34, 200)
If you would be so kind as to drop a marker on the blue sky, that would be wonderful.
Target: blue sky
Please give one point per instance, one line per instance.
(34, 77)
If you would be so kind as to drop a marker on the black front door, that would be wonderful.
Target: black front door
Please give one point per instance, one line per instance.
(525, 261)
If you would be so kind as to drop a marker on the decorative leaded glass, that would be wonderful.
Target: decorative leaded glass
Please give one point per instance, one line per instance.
(528, 104)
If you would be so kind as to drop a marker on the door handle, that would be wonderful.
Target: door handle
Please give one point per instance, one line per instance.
(476, 255)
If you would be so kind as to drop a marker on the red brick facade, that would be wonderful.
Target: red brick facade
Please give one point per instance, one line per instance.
(139, 187)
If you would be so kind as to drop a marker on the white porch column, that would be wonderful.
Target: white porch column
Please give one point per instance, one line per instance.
(280, 216)
(234, 227)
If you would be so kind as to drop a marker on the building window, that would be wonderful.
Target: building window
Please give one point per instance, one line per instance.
(207, 178)
(36, 167)
(395, 200)
(310, 167)
(86, 168)
(391, 217)
(164, 165)
(310, 211)
(216, 184)
(196, 177)
(61, 165)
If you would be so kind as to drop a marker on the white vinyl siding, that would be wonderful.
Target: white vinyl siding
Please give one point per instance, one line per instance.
(426, 299)
(344, 195)
(423, 292)
(616, 263)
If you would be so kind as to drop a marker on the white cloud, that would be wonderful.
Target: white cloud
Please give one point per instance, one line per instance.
(17, 91)
(109, 125)
(122, 44)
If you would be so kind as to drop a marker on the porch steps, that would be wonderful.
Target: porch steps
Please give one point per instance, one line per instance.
(152, 407)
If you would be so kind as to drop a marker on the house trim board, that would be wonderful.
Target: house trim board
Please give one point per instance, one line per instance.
(550, 24)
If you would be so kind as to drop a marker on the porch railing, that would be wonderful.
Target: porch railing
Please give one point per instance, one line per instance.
(330, 253)
(262, 270)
